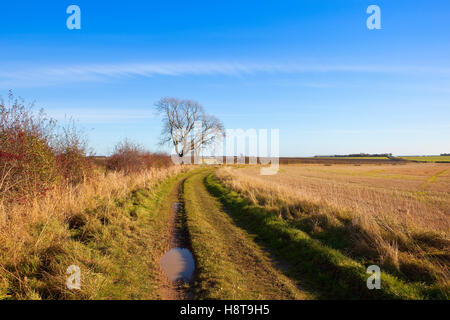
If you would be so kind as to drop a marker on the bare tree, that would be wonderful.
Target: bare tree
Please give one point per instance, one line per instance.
(186, 126)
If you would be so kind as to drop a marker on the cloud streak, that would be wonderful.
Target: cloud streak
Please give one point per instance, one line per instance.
(55, 75)
(102, 115)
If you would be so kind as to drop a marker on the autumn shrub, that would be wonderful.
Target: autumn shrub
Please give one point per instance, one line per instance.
(71, 150)
(28, 165)
(127, 158)
(27, 161)
(157, 160)
(35, 154)
(130, 157)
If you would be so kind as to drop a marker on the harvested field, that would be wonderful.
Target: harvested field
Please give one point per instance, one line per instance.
(393, 215)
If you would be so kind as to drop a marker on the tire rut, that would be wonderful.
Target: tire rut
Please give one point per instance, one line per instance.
(178, 290)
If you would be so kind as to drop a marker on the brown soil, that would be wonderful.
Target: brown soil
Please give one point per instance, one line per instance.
(178, 238)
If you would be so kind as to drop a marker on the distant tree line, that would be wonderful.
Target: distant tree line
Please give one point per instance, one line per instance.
(445, 154)
(387, 155)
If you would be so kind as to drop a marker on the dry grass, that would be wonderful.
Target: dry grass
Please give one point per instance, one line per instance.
(394, 215)
(34, 235)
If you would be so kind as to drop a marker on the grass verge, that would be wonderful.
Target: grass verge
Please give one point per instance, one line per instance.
(116, 242)
(332, 273)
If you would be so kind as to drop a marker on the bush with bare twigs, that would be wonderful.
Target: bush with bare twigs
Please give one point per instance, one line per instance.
(71, 150)
(34, 156)
(129, 157)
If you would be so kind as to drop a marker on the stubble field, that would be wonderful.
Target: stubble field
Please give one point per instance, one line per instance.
(395, 216)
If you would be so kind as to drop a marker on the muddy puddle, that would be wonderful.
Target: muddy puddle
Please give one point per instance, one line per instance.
(178, 264)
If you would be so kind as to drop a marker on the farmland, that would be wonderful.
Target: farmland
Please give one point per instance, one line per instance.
(428, 158)
(308, 232)
(128, 221)
(356, 158)
(395, 216)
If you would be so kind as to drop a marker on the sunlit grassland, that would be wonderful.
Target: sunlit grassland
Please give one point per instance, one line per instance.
(326, 270)
(395, 216)
(114, 228)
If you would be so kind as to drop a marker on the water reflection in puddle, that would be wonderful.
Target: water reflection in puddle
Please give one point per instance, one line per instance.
(178, 264)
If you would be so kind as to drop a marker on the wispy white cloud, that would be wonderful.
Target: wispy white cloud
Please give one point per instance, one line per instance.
(92, 115)
(54, 75)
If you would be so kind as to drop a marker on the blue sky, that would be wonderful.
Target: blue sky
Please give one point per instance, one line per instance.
(312, 69)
